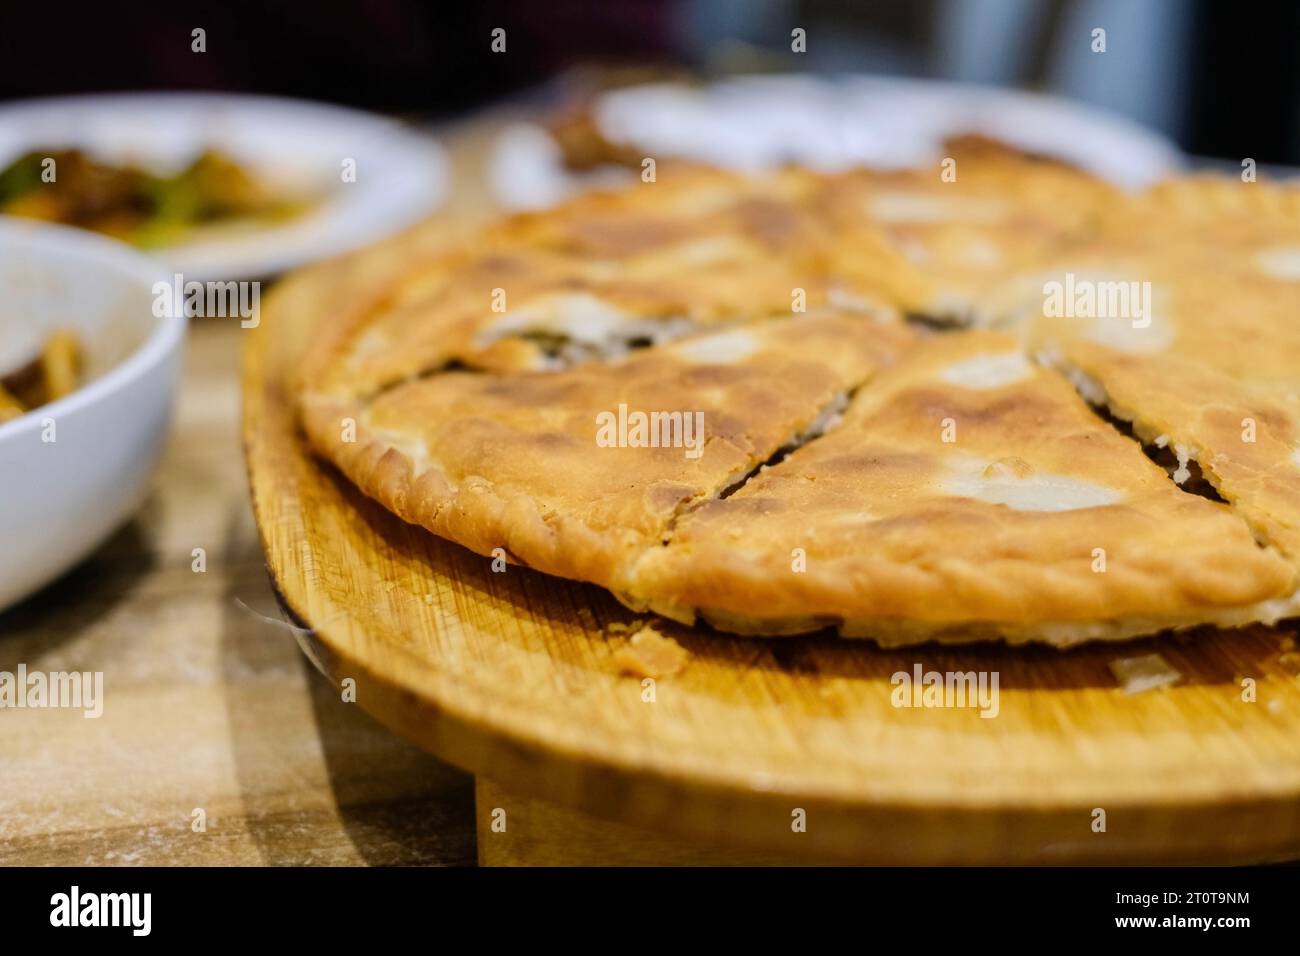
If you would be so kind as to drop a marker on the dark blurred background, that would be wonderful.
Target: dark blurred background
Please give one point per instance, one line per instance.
(1222, 78)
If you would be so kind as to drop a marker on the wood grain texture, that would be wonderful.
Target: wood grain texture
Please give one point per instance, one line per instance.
(205, 704)
(512, 675)
(515, 829)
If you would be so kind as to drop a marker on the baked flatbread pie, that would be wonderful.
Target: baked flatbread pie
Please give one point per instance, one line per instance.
(711, 394)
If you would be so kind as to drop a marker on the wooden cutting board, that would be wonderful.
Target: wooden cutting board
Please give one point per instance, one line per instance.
(513, 676)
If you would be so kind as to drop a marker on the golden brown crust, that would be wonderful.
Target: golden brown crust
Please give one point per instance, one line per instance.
(700, 247)
(350, 291)
(932, 239)
(481, 425)
(517, 462)
(1036, 510)
(1211, 369)
(696, 247)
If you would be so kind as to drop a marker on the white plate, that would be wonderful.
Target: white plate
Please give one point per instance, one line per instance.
(829, 123)
(60, 498)
(400, 174)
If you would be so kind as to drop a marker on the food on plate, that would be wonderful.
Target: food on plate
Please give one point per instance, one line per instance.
(754, 400)
(52, 375)
(131, 203)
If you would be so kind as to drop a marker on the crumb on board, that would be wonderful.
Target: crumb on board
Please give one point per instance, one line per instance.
(1147, 672)
(650, 654)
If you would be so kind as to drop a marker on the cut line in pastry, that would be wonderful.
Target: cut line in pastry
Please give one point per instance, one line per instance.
(965, 494)
(517, 462)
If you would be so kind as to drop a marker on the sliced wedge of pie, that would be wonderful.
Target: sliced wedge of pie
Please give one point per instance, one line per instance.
(699, 247)
(932, 240)
(966, 494)
(1191, 338)
(578, 471)
(595, 278)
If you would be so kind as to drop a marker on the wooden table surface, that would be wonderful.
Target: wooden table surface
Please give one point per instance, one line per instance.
(206, 704)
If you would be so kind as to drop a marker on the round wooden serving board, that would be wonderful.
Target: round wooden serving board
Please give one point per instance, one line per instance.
(513, 676)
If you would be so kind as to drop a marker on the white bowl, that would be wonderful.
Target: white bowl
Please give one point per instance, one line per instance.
(59, 499)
